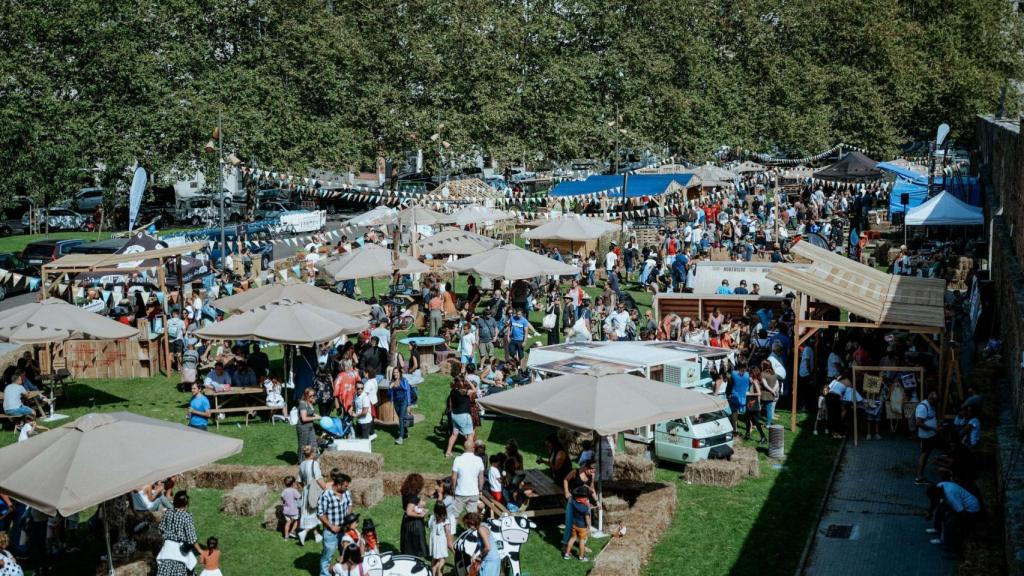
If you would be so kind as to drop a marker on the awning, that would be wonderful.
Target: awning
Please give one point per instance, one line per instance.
(637, 185)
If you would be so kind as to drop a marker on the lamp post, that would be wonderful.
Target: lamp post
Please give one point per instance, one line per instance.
(216, 144)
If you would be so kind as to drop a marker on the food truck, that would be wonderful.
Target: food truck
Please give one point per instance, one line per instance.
(680, 364)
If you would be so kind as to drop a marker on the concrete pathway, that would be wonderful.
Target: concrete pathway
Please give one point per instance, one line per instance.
(875, 500)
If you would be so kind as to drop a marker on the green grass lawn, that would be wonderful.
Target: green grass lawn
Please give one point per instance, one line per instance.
(759, 526)
(17, 243)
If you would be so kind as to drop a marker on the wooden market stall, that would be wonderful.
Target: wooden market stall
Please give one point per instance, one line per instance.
(886, 302)
(698, 306)
(140, 356)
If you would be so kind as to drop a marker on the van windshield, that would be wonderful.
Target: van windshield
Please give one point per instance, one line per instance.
(708, 417)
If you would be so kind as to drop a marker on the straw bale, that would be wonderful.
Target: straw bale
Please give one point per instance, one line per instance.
(367, 491)
(614, 504)
(616, 560)
(273, 518)
(245, 500)
(634, 468)
(748, 457)
(715, 473)
(355, 464)
(637, 449)
(572, 441)
(227, 476)
(143, 565)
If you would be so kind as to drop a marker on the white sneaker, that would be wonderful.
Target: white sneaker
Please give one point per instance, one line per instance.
(931, 531)
(372, 437)
(935, 541)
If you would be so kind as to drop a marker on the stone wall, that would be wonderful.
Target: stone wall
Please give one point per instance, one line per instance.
(1001, 165)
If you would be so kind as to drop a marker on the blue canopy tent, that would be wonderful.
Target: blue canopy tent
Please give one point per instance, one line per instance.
(965, 188)
(638, 185)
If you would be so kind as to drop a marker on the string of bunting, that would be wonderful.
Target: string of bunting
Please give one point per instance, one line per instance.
(335, 189)
(769, 159)
(14, 278)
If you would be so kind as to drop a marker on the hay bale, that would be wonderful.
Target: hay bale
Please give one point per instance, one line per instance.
(617, 560)
(637, 449)
(634, 468)
(143, 565)
(355, 464)
(572, 441)
(273, 518)
(715, 473)
(614, 504)
(227, 476)
(246, 500)
(367, 492)
(749, 459)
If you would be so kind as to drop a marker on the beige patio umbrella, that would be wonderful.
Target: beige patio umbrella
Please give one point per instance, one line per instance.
(102, 456)
(477, 215)
(378, 216)
(604, 405)
(54, 320)
(511, 263)
(286, 322)
(572, 228)
(370, 261)
(748, 166)
(296, 291)
(458, 242)
(420, 216)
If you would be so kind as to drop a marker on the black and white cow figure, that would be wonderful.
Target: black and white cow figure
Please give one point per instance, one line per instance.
(510, 533)
(391, 564)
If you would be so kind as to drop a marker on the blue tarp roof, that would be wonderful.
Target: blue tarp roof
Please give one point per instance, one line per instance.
(638, 184)
(965, 188)
(903, 172)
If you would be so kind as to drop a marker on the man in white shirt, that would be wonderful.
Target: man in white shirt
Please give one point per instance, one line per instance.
(616, 322)
(467, 480)
(218, 379)
(610, 259)
(13, 394)
(927, 433)
(362, 412)
(467, 344)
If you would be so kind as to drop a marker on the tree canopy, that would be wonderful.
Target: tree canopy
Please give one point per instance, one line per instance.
(338, 83)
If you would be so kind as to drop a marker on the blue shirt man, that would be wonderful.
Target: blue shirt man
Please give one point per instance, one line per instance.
(740, 385)
(518, 325)
(958, 498)
(198, 409)
(724, 288)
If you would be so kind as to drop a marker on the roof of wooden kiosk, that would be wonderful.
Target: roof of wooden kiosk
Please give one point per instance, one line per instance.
(89, 262)
(862, 290)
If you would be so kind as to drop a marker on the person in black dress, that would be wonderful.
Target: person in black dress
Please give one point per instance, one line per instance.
(413, 532)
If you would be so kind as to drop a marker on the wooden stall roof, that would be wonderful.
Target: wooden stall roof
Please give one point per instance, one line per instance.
(468, 190)
(91, 262)
(862, 290)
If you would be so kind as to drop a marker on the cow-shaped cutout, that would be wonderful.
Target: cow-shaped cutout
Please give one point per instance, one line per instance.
(391, 564)
(510, 533)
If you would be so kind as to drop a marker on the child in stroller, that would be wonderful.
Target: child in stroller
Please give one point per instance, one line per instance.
(335, 428)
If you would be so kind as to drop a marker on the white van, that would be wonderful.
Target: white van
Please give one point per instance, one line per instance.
(685, 365)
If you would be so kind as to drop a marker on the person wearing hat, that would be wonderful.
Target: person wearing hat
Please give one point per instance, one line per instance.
(724, 288)
(742, 288)
(777, 289)
(350, 532)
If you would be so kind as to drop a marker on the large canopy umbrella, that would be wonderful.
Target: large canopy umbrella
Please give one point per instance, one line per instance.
(420, 216)
(477, 215)
(604, 405)
(458, 242)
(572, 228)
(370, 261)
(296, 291)
(286, 322)
(379, 216)
(511, 263)
(748, 166)
(711, 175)
(54, 320)
(102, 456)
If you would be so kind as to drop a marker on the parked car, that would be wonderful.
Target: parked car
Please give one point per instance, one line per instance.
(59, 219)
(12, 263)
(43, 251)
(109, 246)
(85, 201)
(272, 210)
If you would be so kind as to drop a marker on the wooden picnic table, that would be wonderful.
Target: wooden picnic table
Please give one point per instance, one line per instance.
(247, 400)
(549, 499)
(34, 399)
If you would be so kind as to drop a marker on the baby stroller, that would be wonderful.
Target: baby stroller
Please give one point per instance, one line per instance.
(335, 428)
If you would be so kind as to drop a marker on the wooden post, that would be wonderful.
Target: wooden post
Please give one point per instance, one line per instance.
(795, 379)
(163, 346)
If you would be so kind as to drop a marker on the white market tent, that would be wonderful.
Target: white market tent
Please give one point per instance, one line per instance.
(945, 209)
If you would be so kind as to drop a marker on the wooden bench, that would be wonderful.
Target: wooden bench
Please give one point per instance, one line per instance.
(249, 411)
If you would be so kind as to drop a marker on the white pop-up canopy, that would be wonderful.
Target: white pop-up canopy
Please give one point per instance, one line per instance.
(944, 209)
